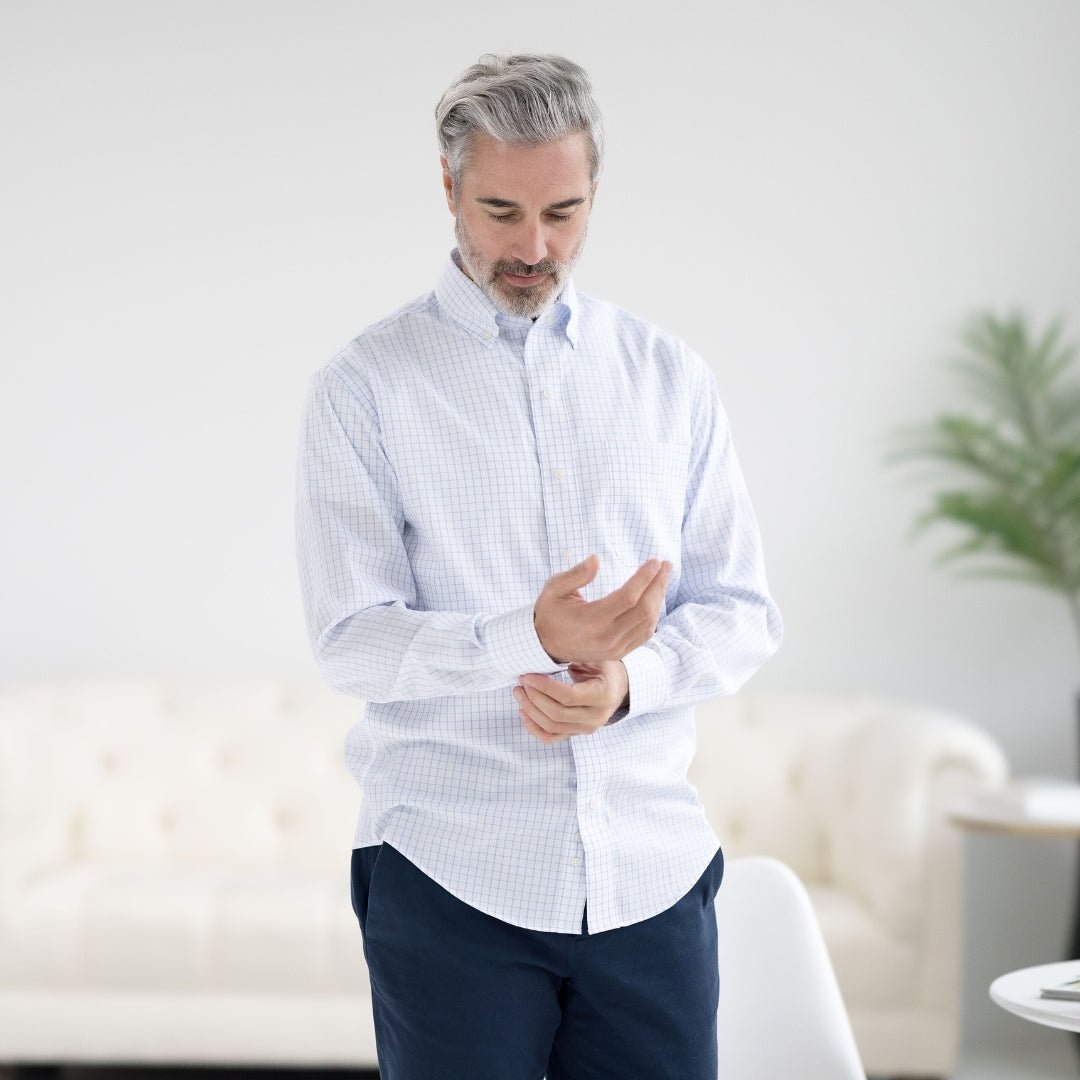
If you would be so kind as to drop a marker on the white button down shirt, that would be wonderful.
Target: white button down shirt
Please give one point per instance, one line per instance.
(452, 458)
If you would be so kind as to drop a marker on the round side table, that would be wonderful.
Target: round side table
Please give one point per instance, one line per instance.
(1019, 992)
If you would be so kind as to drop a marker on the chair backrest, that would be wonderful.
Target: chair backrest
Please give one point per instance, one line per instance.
(781, 1014)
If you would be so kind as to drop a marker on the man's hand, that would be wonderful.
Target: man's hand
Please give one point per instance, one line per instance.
(572, 628)
(552, 711)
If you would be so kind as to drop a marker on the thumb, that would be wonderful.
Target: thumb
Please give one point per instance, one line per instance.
(579, 576)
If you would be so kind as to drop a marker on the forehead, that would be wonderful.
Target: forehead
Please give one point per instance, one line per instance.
(540, 174)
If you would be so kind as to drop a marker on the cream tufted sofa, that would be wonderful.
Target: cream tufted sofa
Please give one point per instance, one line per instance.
(853, 795)
(174, 866)
(174, 876)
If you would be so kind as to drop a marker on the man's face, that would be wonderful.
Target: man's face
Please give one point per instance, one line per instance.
(521, 214)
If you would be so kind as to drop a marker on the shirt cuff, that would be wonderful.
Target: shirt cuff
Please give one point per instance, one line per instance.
(647, 676)
(515, 646)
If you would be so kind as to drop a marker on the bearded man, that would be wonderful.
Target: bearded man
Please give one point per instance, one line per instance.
(525, 542)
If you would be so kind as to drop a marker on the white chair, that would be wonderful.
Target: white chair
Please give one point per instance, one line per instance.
(780, 1014)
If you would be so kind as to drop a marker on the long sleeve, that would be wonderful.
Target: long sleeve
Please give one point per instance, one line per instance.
(721, 624)
(359, 593)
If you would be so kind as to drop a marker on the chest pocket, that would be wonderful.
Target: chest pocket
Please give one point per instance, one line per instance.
(642, 500)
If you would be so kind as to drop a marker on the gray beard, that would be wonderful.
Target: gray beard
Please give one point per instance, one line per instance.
(524, 303)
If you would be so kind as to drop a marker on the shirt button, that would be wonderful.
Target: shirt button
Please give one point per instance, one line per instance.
(559, 474)
(594, 803)
(575, 862)
(546, 392)
(568, 555)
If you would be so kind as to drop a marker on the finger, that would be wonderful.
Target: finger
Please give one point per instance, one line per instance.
(540, 687)
(541, 709)
(631, 633)
(538, 732)
(650, 603)
(646, 611)
(577, 577)
(535, 717)
(561, 731)
(555, 718)
(629, 593)
(653, 596)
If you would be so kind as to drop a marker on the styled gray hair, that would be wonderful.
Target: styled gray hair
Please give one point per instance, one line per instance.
(523, 100)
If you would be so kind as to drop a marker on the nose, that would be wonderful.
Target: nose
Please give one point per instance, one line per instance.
(531, 243)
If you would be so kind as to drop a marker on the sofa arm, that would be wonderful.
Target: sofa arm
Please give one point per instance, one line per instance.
(886, 805)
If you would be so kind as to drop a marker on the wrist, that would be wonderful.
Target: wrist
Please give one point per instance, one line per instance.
(622, 709)
(624, 702)
(543, 644)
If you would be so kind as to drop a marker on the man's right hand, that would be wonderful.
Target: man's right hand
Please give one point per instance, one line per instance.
(573, 629)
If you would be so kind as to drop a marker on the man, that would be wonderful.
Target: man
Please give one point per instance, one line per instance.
(524, 539)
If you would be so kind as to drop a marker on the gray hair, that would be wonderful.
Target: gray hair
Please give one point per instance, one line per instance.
(523, 100)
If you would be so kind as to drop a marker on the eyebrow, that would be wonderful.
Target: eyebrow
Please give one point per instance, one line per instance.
(507, 204)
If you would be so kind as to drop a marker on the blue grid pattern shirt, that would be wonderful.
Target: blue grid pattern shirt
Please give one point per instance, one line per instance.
(452, 459)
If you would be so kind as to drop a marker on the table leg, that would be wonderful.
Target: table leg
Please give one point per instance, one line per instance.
(1072, 951)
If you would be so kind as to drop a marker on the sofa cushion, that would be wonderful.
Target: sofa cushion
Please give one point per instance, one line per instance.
(875, 969)
(147, 925)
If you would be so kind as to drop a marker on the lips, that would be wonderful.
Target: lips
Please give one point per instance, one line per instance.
(525, 281)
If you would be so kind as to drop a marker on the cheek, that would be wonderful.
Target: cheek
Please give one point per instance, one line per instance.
(568, 244)
(486, 244)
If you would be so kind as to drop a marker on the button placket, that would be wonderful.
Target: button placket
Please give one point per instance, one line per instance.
(591, 824)
(555, 446)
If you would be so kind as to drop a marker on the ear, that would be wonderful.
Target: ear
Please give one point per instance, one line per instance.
(448, 186)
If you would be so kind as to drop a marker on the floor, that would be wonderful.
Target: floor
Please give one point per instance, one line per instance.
(1013, 1067)
(1059, 1062)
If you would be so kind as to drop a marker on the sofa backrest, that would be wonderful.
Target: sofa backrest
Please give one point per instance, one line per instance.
(850, 792)
(188, 771)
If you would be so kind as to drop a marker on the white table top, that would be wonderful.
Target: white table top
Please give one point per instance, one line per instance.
(1018, 992)
(1030, 807)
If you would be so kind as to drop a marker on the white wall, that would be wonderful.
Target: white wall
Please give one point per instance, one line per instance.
(202, 200)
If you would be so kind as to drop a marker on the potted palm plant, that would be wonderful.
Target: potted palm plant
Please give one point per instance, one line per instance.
(1009, 463)
(1009, 466)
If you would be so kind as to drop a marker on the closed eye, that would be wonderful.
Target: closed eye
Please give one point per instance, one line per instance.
(513, 217)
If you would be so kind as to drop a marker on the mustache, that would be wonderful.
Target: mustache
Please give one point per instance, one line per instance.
(520, 269)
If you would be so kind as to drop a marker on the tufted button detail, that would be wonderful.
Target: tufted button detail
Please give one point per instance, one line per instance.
(228, 758)
(736, 829)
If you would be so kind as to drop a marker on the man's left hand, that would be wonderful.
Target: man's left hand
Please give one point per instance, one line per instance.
(552, 710)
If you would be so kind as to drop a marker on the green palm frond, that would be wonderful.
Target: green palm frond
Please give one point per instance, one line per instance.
(1012, 462)
(996, 526)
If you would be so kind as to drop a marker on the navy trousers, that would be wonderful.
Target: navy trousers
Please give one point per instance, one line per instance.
(459, 995)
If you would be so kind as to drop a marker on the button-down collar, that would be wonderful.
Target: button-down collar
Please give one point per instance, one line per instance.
(467, 304)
